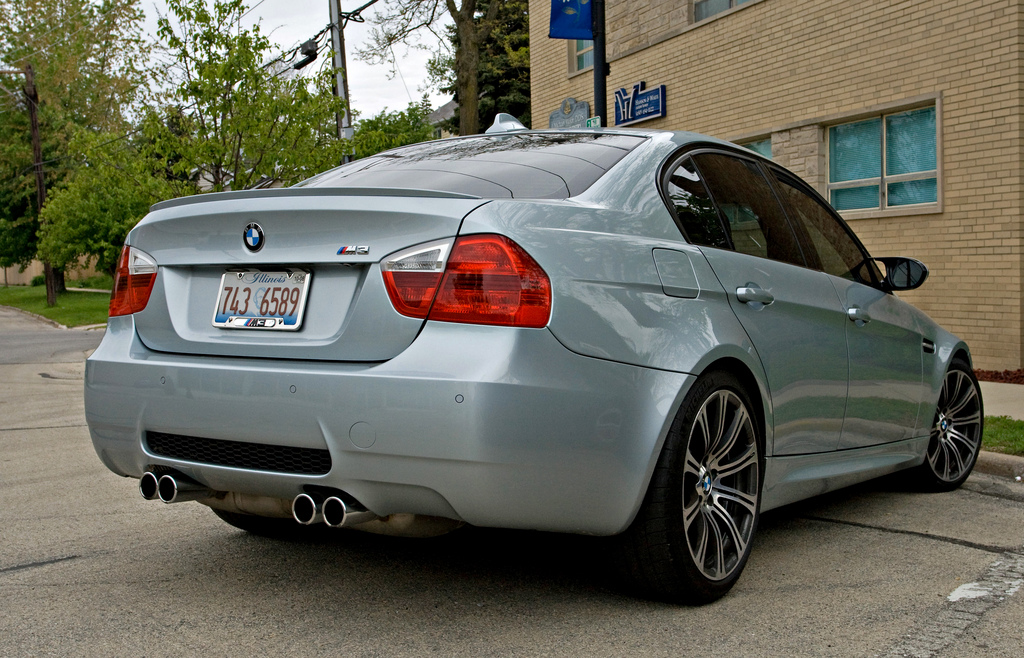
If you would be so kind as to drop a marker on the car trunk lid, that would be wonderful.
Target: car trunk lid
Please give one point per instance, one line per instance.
(334, 237)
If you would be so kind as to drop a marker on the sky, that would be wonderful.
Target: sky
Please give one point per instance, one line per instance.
(290, 22)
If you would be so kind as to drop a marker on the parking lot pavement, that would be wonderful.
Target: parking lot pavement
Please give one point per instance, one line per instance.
(89, 568)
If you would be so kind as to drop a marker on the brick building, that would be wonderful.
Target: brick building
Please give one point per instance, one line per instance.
(906, 114)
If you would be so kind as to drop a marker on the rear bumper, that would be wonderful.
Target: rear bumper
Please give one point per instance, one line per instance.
(493, 426)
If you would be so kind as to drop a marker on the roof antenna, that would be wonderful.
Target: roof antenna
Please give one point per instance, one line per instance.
(504, 123)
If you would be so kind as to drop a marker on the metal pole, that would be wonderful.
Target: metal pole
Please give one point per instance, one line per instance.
(600, 63)
(37, 154)
(341, 81)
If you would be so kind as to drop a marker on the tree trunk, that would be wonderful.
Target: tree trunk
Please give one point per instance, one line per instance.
(467, 82)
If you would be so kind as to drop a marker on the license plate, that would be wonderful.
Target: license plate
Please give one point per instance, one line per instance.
(272, 301)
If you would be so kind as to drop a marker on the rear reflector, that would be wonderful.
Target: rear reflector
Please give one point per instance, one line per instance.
(133, 282)
(489, 279)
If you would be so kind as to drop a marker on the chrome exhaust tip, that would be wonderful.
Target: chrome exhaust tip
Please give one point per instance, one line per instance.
(307, 509)
(339, 514)
(177, 489)
(149, 486)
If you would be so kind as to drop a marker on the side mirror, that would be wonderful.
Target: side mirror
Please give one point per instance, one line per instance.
(902, 273)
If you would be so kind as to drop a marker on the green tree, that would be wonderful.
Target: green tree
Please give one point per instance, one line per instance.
(233, 121)
(400, 22)
(90, 213)
(389, 130)
(504, 68)
(90, 73)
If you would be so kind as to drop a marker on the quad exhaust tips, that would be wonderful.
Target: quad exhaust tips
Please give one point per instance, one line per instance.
(171, 488)
(308, 509)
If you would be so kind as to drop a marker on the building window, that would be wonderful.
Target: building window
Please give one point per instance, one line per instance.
(706, 8)
(761, 147)
(583, 51)
(884, 162)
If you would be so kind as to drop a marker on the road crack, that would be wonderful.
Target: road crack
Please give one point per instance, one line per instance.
(988, 548)
(33, 565)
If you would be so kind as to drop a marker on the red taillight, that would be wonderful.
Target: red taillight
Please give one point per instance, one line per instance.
(488, 279)
(411, 277)
(491, 280)
(412, 292)
(133, 282)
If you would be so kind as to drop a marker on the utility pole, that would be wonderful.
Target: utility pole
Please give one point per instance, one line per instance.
(341, 72)
(32, 99)
(600, 63)
(339, 19)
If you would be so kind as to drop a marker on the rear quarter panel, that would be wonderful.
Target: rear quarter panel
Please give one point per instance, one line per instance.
(608, 298)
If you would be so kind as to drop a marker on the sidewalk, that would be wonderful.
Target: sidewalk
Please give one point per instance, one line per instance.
(1003, 399)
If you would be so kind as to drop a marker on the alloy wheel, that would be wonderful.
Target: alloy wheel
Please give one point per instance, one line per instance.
(956, 434)
(720, 485)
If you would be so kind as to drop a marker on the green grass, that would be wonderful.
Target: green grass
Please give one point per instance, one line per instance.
(98, 282)
(1003, 434)
(73, 309)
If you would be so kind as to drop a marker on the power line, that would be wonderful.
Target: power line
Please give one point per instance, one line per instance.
(249, 10)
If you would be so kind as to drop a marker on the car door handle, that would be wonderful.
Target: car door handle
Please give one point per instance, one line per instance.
(857, 314)
(750, 294)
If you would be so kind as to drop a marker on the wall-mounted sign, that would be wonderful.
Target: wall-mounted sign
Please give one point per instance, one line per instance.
(570, 115)
(639, 104)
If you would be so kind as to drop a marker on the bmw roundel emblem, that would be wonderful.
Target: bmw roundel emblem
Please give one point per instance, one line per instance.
(253, 237)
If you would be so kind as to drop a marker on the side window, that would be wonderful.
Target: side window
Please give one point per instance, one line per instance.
(693, 207)
(756, 222)
(821, 234)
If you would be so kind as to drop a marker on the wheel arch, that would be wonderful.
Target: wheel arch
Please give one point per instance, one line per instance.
(753, 381)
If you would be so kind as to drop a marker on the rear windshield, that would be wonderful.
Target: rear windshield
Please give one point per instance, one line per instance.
(521, 165)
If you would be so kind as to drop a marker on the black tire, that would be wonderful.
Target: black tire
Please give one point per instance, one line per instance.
(693, 533)
(956, 431)
(265, 526)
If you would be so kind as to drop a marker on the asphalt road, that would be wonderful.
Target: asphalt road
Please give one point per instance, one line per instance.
(89, 568)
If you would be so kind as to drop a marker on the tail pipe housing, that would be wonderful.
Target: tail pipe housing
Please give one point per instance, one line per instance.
(149, 486)
(175, 488)
(339, 514)
(308, 509)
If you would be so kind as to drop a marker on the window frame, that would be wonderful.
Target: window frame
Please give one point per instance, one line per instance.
(574, 53)
(733, 4)
(884, 209)
(749, 143)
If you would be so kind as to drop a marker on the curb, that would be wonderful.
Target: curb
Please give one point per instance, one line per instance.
(996, 463)
(52, 323)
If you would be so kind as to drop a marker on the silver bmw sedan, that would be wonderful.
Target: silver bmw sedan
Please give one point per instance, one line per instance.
(648, 335)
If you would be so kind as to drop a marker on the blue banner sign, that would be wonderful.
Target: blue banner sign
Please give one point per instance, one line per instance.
(639, 104)
(571, 19)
